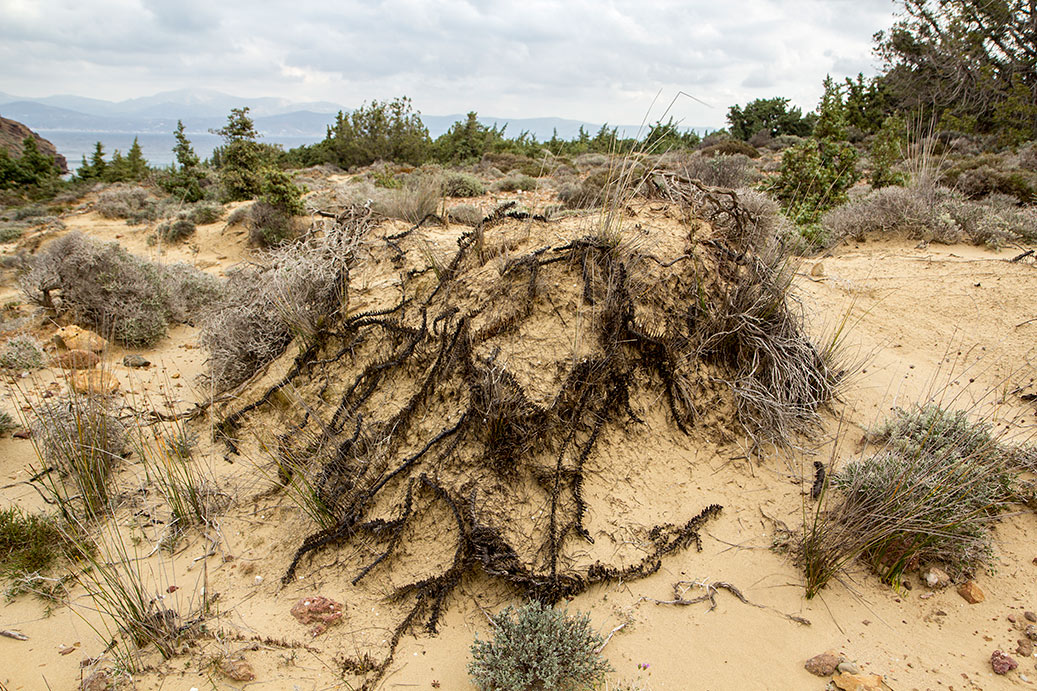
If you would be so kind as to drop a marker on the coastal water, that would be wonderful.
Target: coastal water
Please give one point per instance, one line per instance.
(157, 148)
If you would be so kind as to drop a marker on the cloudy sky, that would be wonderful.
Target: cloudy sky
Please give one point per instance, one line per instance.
(593, 60)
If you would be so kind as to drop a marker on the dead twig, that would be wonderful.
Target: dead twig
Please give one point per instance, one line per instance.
(712, 588)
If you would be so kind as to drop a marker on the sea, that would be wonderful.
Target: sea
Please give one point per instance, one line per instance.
(157, 147)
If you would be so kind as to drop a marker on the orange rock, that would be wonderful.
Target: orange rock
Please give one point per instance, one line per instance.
(76, 359)
(971, 592)
(73, 337)
(858, 682)
(94, 382)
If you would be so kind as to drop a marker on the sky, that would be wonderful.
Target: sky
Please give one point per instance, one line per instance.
(612, 61)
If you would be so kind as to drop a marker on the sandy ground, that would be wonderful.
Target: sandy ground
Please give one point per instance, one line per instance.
(952, 323)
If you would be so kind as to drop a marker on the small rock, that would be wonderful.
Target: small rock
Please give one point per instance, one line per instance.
(848, 668)
(76, 359)
(818, 270)
(1011, 618)
(317, 608)
(136, 361)
(237, 669)
(1031, 632)
(823, 665)
(1001, 663)
(1024, 646)
(971, 592)
(857, 682)
(936, 577)
(93, 382)
(75, 338)
(22, 433)
(1030, 616)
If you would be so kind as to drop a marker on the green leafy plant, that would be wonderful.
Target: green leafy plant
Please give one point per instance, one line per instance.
(536, 647)
(814, 177)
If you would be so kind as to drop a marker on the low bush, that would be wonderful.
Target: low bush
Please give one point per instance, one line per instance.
(988, 174)
(515, 182)
(82, 438)
(204, 213)
(419, 197)
(463, 185)
(724, 170)
(268, 226)
(21, 353)
(104, 287)
(537, 647)
(730, 147)
(292, 292)
(587, 193)
(928, 495)
(465, 214)
(135, 204)
(935, 214)
(176, 229)
(29, 542)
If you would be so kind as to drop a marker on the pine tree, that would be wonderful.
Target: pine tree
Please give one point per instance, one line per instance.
(136, 166)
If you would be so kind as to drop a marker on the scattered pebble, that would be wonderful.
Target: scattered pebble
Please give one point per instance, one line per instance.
(848, 668)
(971, 592)
(823, 665)
(1030, 616)
(136, 361)
(1001, 663)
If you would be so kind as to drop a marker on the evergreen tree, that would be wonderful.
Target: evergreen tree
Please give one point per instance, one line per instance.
(240, 158)
(136, 166)
(185, 179)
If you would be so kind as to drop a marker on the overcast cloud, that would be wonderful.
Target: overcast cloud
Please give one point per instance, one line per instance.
(580, 59)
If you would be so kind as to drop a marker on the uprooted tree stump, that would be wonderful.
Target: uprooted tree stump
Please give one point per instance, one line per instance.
(466, 384)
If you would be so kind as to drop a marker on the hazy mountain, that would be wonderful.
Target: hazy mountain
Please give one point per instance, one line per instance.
(202, 110)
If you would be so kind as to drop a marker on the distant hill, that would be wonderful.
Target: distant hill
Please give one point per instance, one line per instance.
(13, 133)
(202, 109)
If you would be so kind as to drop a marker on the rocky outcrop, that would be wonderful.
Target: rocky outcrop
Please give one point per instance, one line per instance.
(12, 133)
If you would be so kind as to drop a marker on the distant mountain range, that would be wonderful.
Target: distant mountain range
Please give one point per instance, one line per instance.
(202, 110)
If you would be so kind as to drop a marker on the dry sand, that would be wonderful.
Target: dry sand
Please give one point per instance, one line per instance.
(949, 322)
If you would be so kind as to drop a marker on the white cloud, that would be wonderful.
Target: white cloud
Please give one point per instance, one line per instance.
(583, 59)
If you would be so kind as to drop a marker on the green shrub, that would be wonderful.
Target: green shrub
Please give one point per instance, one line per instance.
(205, 213)
(814, 177)
(537, 648)
(271, 216)
(29, 542)
(463, 185)
(176, 229)
(886, 152)
(21, 353)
